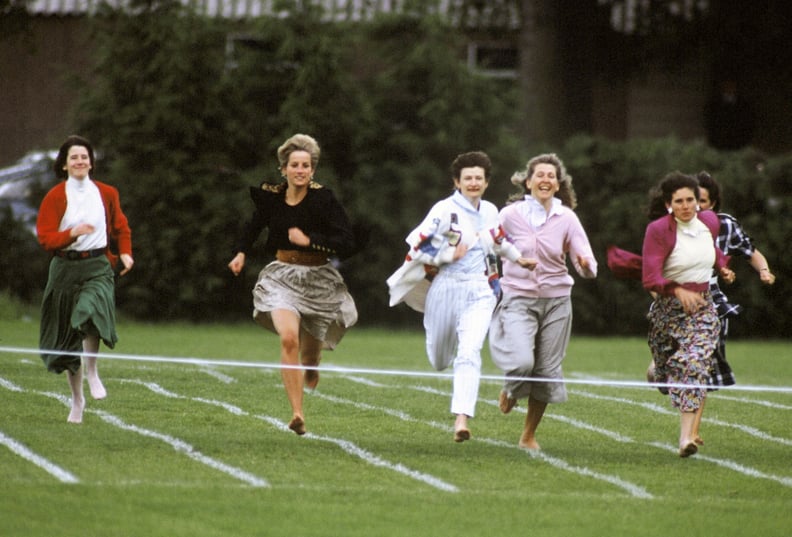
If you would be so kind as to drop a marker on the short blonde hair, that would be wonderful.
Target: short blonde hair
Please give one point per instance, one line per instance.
(299, 142)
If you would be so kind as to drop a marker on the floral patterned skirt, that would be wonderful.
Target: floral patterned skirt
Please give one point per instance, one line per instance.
(682, 348)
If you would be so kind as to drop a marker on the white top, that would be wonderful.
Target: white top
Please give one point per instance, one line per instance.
(84, 206)
(693, 255)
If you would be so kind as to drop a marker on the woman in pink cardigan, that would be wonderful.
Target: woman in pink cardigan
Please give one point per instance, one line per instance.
(78, 220)
(532, 323)
(679, 254)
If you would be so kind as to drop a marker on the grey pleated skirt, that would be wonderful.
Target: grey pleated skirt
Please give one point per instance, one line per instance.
(79, 300)
(317, 294)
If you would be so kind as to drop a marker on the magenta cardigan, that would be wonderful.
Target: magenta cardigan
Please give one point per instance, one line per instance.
(658, 244)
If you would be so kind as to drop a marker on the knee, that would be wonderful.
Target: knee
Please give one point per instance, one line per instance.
(290, 342)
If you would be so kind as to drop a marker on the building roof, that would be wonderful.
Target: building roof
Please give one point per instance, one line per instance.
(493, 13)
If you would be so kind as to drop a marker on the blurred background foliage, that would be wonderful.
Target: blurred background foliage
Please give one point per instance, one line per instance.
(185, 120)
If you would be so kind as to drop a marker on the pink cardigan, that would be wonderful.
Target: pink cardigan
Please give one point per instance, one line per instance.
(658, 244)
(560, 237)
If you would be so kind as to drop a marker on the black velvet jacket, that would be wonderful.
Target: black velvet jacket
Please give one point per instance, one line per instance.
(319, 215)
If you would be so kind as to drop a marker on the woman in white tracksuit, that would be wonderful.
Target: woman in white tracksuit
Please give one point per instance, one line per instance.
(455, 249)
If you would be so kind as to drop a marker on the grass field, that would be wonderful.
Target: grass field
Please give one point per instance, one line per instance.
(187, 449)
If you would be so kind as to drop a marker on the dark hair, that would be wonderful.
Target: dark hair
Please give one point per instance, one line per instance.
(63, 153)
(706, 181)
(660, 195)
(471, 160)
(565, 191)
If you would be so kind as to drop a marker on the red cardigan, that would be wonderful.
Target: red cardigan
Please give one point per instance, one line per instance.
(53, 207)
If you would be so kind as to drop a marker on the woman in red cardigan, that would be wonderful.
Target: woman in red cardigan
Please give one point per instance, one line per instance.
(77, 222)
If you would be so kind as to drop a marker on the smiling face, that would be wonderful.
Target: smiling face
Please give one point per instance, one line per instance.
(683, 204)
(472, 183)
(78, 162)
(543, 183)
(298, 169)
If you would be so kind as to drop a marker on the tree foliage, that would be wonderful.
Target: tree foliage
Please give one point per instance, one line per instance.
(187, 112)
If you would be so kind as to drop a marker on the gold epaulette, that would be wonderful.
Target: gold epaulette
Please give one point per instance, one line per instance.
(278, 188)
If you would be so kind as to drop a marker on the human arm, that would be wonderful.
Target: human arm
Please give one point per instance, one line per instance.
(656, 248)
(429, 242)
(50, 213)
(760, 265)
(580, 250)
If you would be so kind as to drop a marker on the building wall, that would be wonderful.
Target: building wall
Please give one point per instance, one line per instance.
(38, 93)
(35, 88)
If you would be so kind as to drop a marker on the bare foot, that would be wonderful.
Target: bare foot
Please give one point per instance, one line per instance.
(687, 448)
(528, 443)
(76, 414)
(97, 388)
(699, 441)
(297, 424)
(460, 435)
(506, 403)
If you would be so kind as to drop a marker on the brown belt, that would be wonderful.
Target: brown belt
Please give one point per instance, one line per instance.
(76, 255)
(299, 257)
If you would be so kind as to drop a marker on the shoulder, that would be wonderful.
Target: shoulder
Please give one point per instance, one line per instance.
(104, 188)
(487, 208)
(266, 193)
(268, 188)
(729, 221)
(660, 225)
(58, 191)
(512, 207)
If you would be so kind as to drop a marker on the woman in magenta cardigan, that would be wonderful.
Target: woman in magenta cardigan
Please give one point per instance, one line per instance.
(78, 220)
(532, 323)
(679, 254)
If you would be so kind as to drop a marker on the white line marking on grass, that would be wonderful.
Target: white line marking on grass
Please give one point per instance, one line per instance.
(51, 468)
(769, 404)
(222, 377)
(747, 429)
(347, 446)
(367, 456)
(649, 406)
(184, 447)
(366, 382)
(179, 445)
(634, 490)
(731, 465)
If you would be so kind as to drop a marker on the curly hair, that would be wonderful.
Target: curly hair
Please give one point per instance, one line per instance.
(566, 193)
(660, 195)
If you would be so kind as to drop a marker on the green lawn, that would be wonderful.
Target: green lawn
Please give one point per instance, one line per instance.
(180, 448)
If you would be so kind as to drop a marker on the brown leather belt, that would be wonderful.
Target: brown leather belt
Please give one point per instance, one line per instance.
(299, 257)
(77, 255)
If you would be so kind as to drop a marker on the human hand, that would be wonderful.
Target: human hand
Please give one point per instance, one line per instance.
(237, 264)
(728, 275)
(691, 301)
(298, 238)
(81, 229)
(527, 262)
(460, 251)
(767, 277)
(127, 261)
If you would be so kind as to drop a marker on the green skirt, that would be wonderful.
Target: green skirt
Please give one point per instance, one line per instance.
(79, 301)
